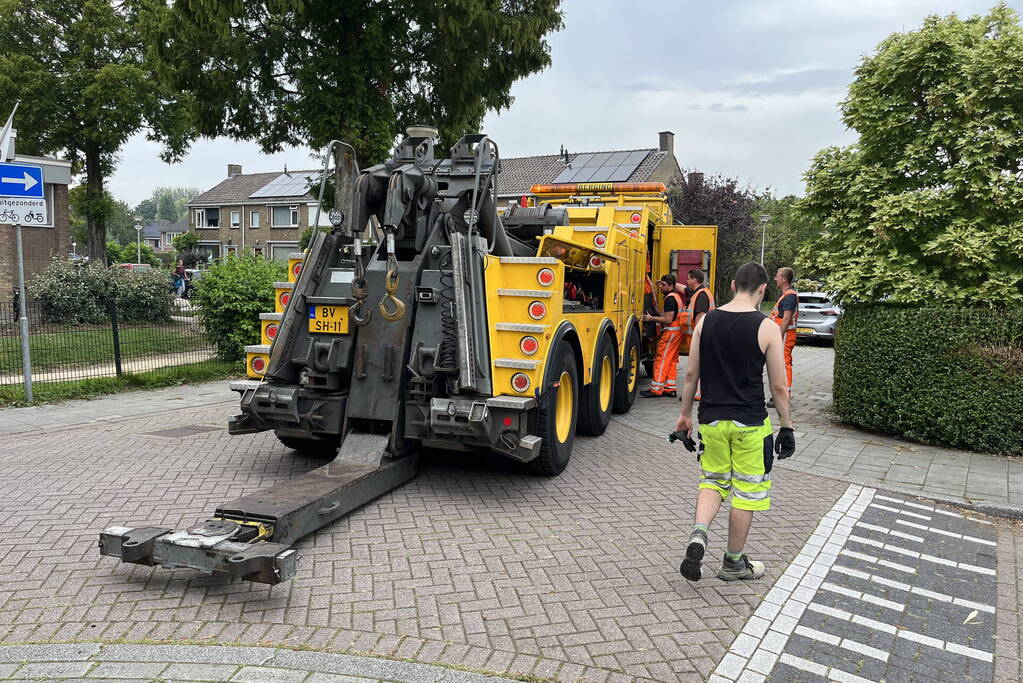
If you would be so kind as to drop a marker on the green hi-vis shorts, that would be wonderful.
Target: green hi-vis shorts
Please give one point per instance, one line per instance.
(737, 459)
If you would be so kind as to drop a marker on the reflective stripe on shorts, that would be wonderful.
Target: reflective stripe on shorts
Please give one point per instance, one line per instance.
(737, 459)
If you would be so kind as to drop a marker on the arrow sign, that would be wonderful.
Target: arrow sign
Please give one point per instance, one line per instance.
(20, 180)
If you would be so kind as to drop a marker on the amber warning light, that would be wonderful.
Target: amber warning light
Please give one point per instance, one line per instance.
(609, 188)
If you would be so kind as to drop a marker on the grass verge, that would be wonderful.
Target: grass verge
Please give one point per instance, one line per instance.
(55, 392)
(96, 346)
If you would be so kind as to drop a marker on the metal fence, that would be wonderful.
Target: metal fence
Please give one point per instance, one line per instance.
(62, 352)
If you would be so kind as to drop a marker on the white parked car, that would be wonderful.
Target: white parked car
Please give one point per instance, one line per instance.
(818, 315)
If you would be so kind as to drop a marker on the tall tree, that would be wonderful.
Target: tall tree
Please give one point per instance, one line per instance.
(786, 233)
(78, 66)
(167, 209)
(287, 72)
(717, 200)
(928, 205)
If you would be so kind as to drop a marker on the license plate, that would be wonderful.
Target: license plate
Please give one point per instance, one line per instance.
(328, 319)
(805, 330)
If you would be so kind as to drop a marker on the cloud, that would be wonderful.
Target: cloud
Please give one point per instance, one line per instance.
(797, 82)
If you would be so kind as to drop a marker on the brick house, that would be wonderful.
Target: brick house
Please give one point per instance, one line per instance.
(653, 164)
(41, 243)
(262, 212)
(160, 234)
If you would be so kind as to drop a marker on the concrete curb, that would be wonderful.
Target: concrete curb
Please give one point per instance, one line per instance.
(215, 662)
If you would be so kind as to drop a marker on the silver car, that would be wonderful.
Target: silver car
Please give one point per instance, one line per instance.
(818, 315)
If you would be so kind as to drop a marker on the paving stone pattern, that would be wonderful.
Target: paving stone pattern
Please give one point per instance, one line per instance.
(473, 563)
(886, 589)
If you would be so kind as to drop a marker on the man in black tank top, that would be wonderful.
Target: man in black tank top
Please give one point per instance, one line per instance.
(727, 356)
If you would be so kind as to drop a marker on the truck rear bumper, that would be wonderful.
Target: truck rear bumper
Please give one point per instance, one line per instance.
(500, 423)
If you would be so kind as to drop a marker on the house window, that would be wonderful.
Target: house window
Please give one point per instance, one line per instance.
(284, 217)
(210, 250)
(207, 218)
(230, 250)
(168, 238)
(236, 219)
(253, 219)
(279, 250)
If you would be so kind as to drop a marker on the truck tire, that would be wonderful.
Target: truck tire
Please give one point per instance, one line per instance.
(627, 381)
(317, 448)
(556, 419)
(598, 395)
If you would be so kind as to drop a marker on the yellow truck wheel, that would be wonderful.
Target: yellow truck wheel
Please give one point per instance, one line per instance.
(598, 399)
(627, 381)
(559, 407)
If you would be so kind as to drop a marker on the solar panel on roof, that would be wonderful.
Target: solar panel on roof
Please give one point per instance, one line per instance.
(597, 160)
(284, 185)
(629, 165)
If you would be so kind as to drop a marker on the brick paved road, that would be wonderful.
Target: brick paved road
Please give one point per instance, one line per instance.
(573, 577)
(472, 564)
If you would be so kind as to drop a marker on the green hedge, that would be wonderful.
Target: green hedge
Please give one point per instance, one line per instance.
(951, 377)
(229, 298)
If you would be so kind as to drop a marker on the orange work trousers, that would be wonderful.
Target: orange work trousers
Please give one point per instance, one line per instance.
(665, 379)
(790, 343)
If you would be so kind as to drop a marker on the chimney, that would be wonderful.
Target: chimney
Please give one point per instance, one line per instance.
(666, 142)
(233, 170)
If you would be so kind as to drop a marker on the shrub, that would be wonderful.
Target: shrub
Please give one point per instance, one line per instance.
(77, 293)
(229, 298)
(186, 241)
(130, 253)
(951, 377)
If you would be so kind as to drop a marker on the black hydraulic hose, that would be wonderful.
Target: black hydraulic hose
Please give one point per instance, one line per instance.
(447, 352)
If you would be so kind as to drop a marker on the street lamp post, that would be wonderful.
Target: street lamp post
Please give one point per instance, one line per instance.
(764, 219)
(138, 233)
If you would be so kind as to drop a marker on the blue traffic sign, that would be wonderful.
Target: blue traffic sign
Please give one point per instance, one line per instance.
(19, 180)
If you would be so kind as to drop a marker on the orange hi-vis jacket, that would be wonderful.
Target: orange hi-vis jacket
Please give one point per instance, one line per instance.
(675, 325)
(778, 317)
(692, 306)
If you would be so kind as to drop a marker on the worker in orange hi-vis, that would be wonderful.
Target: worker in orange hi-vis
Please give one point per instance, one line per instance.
(786, 314)
(700, 302)
(665, 379)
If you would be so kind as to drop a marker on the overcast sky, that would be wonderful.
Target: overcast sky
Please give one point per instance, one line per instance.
(749, 87)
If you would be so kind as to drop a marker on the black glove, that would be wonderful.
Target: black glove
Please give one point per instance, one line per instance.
(684, 437)
(785, 443)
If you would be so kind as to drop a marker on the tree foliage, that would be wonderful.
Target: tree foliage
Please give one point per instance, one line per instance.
(78, 66)
(287, 72)
(119, 218)
(186, 241)
(786, 233)
(928, 205)
(717, 200)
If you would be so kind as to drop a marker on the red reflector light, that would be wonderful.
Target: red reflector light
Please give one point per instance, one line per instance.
(520, 382)
(507, 422)
(529, 345)
(258, 364)
(297, 269)
(634, 233)
(285, 298)
(635, 217)
(545, 277)
(596, 262)
(600, 240)
(537, 310)
(271, 331)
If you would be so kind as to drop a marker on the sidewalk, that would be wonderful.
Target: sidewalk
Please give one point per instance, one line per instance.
(89, 661)
(980, 481)
(117, 406)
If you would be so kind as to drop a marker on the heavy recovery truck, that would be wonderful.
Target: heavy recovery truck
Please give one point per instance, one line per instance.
(506, 331)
